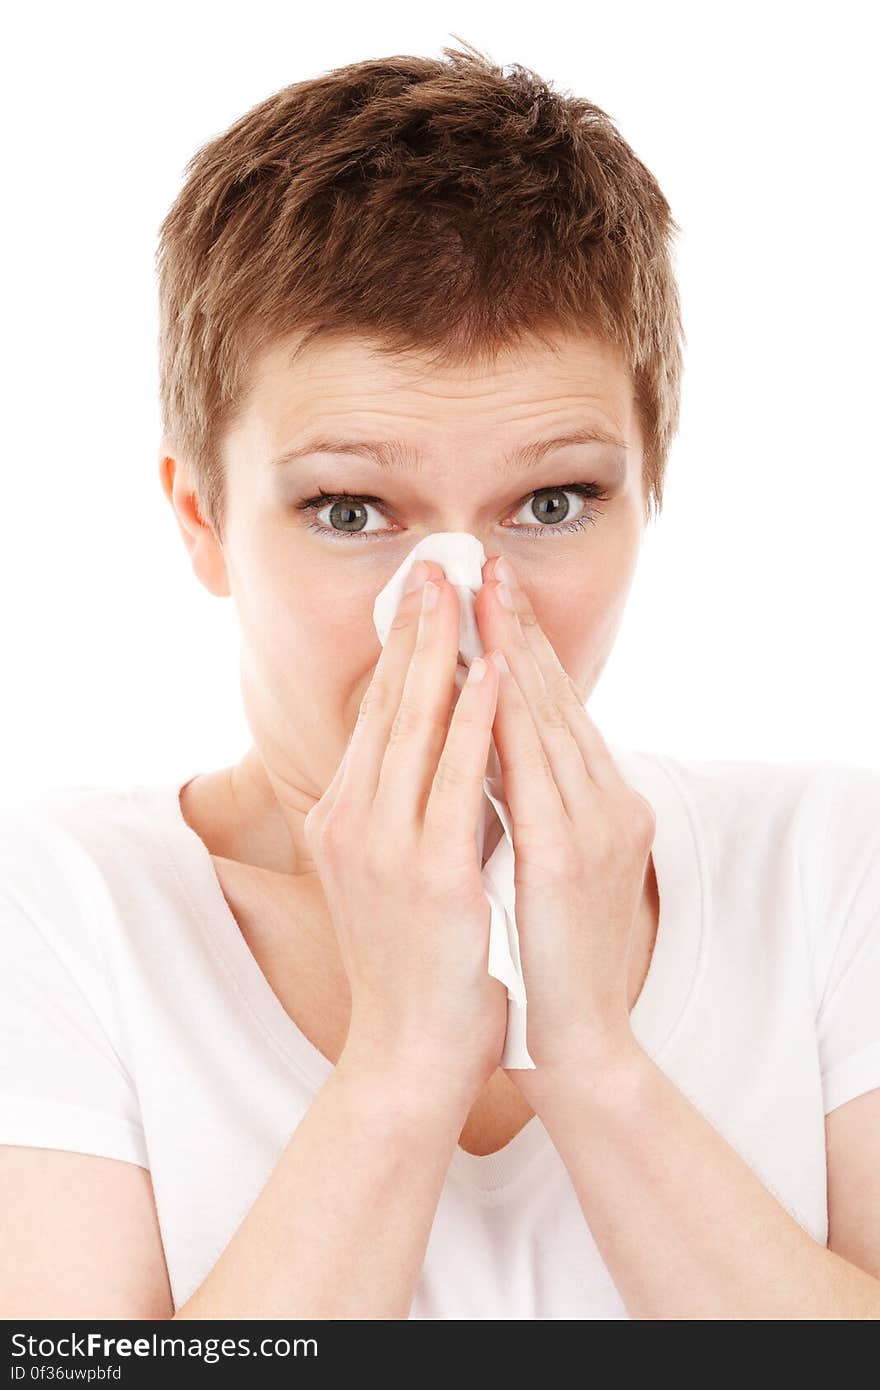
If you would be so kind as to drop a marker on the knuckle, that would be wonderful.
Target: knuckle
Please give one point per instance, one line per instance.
(563, 689)
(330, 832)
(412, 719)
(548, 711)
(406, 616)
(534, 761)
(630, 828)
(375, 696)
(527, 617)
(642, 821)
(450, 776)
(562, 858)
(556, 855)
(459, 891)
(406, 721)
(464, 718)
(527, 762)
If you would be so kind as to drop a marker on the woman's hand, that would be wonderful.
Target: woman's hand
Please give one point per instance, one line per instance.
(394, 842)
(582, 838)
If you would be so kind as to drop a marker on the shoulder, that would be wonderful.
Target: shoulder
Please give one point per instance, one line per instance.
(69, 856)
(846, 808)
(805, 833)
(811, 796)
(79, 824)
(734, 807)
(814, 819)
(65, 1056)
(738, 786)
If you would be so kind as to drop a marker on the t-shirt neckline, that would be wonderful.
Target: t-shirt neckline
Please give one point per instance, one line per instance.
(656, 1017)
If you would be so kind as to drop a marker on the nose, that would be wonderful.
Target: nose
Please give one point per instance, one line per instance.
(436, 571)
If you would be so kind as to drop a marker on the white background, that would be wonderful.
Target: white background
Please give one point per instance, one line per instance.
(751, 630)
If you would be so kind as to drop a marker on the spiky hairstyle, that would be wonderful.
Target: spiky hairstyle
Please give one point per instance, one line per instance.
(445, 207)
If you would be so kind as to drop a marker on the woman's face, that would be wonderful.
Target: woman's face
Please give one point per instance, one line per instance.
(457, 444)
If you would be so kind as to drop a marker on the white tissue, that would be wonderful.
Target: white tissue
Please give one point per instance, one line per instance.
(462, 557)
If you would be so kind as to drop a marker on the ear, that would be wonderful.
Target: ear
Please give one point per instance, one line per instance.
(205, 551)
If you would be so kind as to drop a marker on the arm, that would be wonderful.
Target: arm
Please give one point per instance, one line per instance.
(686, 1228)
(81, 1237)
(338, 1231)
(341, 1226)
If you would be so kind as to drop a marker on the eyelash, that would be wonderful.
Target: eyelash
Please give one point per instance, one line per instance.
(585, 490)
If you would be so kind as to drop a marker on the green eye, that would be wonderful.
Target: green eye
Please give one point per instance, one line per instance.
(350, 511)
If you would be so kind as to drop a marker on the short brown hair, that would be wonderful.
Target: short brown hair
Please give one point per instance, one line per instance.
(442, 207)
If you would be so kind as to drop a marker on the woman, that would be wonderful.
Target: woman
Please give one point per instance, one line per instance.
(250, 1061)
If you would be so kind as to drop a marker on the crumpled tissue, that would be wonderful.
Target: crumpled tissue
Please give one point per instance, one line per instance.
(462, 556)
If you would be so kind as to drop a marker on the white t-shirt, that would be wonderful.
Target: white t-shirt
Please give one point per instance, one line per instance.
(136, 1023)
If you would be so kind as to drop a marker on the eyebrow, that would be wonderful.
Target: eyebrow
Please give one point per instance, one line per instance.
(393, 454)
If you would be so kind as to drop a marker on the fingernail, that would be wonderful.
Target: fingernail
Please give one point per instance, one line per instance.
(476, 670)
(501, 662)
(505, 597)
(416, 577)
(430, 594)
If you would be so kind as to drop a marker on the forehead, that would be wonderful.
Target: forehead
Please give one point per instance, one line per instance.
(346, 375)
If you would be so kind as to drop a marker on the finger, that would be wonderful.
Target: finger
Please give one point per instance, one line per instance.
(378, 708)
(420, 725)
(597, 757)
(575, 788)
(530, 785)
(456, 794)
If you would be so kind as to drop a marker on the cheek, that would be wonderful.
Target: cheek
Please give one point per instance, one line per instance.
(306, 625)
(323, 649)
(582, 628)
